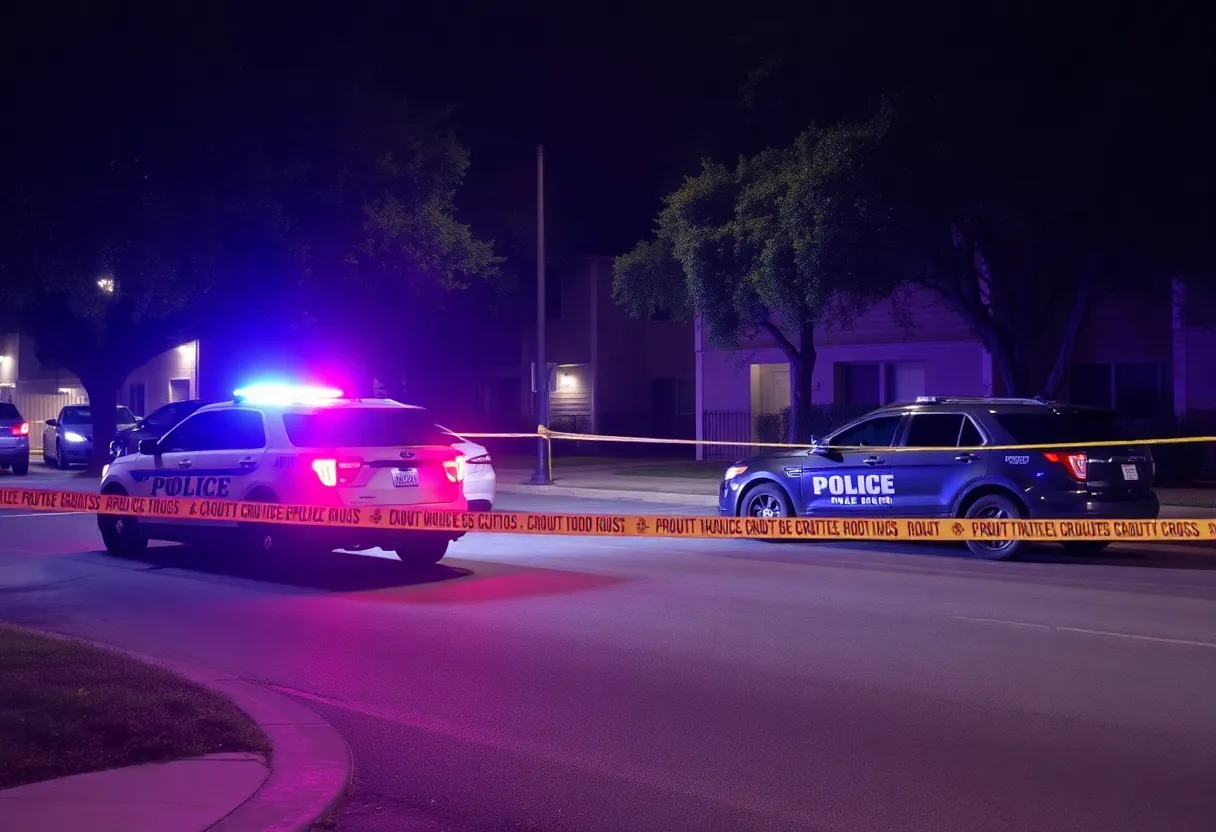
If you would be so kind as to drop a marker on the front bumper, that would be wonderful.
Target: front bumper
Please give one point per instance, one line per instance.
(728, 497)
(77, 451)
(1079, 504)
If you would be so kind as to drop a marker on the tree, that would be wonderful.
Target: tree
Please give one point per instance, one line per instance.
(175, 191)
(1027, 177)
(780, 243)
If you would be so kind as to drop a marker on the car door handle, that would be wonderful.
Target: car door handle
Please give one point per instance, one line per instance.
(874, 460)
(185, 463)
(966, 458)
(248, 462)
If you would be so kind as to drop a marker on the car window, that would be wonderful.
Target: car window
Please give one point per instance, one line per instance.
(1052, 427)
(934, 430)
(166, 417)
(218, 430)
(363, 427)
(76, 416)
(9, 411)
(876, 432)
(971, 436)
(125, 416)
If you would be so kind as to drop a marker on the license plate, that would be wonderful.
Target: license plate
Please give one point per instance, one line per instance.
(1130, 473)
(405, 478)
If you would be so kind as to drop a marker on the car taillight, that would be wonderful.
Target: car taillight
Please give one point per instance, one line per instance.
(335, 472)
(1075, 464)
(22, 429)
(484, 459)
(454, 468)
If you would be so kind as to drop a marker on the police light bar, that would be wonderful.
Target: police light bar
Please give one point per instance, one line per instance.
(286, 394)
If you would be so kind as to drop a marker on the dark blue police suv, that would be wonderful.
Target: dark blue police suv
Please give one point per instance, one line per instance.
(947, 471)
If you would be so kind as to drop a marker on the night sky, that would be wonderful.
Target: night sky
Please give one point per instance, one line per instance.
(625, 97)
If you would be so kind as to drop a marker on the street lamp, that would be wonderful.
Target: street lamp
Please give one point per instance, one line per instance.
(106, 285)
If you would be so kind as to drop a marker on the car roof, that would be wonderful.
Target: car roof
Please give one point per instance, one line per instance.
(307, 407)
(929, 404)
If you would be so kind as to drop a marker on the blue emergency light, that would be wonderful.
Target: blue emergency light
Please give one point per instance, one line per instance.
(277, 393)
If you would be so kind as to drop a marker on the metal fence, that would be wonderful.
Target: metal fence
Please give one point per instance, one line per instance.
(726, 426)
(36, 408)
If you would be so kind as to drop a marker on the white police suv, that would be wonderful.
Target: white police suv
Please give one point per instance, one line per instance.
(295, 445)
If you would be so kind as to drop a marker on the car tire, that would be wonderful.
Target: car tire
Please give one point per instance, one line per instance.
(261, 540)
(763, 498)
(1085, 547)
(122, 535)
(994, 507)
(424, 551)
(20, 469)
(60, 462)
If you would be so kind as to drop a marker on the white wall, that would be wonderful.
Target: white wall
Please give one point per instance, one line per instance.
(178, 363)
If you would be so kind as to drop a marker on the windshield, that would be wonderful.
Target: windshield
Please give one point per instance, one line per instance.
(378, 427)
(9, 411)
(83, 415)
(169, 415)
(1064, 427)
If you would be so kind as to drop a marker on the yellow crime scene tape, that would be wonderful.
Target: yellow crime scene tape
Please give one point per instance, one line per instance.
(406, 518)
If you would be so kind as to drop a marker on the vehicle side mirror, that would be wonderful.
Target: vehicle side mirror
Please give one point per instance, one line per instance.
(818, 447)
(149, 447)
(52, 423)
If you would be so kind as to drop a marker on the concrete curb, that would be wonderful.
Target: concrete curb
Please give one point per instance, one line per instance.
(310, 766)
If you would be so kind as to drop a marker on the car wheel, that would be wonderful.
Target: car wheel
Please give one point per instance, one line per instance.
(767, 501)
(995, 507)
(60, 462)
(424, 551)
(20, 469)
(1085, 547)
(121, 535)
(261, 539)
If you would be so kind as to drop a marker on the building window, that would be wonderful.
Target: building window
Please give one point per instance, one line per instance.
(1138, 390)
(879, 383)
(179, 390)
(137, 400)
(686, 396)
(673, 396)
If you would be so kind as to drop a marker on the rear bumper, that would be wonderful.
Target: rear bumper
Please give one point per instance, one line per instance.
(15, 453)
(1080, 504)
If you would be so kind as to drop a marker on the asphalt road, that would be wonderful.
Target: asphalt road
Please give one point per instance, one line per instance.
(596, 684)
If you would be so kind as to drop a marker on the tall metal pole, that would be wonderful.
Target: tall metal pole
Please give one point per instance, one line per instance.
(543, 475)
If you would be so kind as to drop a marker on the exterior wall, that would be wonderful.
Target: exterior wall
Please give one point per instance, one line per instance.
(951, 369)
(572, 398)
(640, 374)
(156, 377)
(9, 359)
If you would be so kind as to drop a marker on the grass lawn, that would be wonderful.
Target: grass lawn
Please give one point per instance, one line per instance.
(66, 708)
(708, 470)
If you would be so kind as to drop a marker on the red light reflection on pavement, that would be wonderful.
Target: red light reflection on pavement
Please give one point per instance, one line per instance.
(474, 589)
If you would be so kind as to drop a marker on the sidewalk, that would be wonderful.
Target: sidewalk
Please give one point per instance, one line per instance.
(308, 773)
(609, 482)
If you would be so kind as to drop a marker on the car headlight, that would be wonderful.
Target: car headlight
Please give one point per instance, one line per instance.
(72, 436)
(734, 471)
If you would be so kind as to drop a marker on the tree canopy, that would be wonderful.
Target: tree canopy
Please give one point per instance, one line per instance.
(778, 243)
(179, 187)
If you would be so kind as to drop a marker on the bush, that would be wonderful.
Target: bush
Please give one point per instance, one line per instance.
(770, 427)
(821, 420)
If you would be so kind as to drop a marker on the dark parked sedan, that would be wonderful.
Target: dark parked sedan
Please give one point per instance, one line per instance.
(153, 426)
